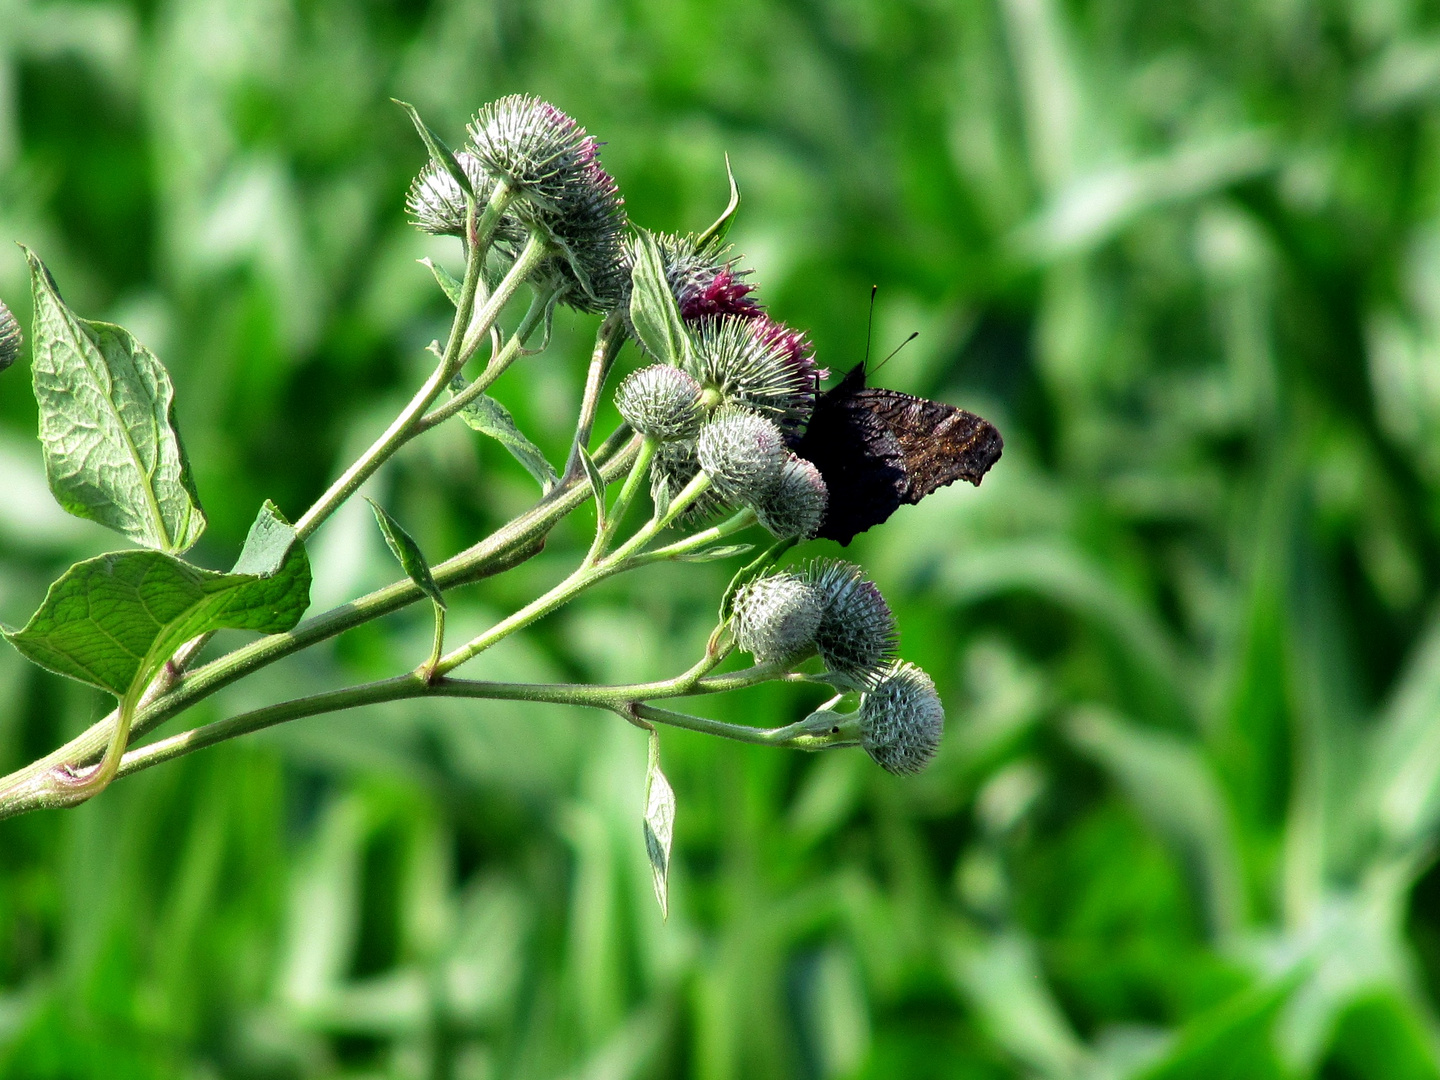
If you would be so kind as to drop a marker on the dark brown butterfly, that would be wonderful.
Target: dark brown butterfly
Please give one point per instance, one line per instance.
(878, 449)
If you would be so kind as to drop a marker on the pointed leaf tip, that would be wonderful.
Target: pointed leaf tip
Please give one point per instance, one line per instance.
(659, 824)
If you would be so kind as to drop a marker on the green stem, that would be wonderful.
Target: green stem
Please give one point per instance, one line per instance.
(535, 251)
(608, 340)
(485, 225)
(464, 340)
(428, 671)
(606, 533)
(627, 700)
(43, 783)
(494, 369)
(741, 519)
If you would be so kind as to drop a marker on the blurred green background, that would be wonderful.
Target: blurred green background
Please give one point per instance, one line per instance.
(1186, 256)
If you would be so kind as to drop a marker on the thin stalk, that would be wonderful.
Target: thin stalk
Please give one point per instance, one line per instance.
(460, 347)
(741, 519)
(583, 578)
(606, 533)
(489, 219)
(536, 249)
(493, 370)
(626, 700)
(428, 670)
(394, 436)
(608, 340)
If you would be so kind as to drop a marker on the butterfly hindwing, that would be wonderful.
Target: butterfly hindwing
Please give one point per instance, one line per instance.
(858, 457)
(878, 449)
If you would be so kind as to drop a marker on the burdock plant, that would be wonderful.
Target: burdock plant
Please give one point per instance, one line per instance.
(713, 414)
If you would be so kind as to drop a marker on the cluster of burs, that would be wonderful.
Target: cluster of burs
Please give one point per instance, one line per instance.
(727, 400)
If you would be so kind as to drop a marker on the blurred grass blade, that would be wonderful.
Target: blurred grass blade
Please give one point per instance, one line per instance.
(1092, 209)
(1001, 978)
(1173, 787)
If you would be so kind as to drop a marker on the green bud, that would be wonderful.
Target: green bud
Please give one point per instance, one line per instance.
(776, 617)
(662, 402)
(857, 632)
(742, 453)
(902, 719)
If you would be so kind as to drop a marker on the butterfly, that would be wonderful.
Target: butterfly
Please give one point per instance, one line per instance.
(880, 449)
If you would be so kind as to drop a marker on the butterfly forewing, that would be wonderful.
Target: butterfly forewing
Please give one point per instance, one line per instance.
(940, 443)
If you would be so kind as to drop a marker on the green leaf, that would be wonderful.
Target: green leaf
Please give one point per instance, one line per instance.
(107, 426)
(715, 553)
(753, 569)
(267, 544)
(716, 232)
(659, 824)
(652, 306)
(450, 285)
(113, 621)
(407, 552)
(597, 484)
(441, 154)
(489, 417)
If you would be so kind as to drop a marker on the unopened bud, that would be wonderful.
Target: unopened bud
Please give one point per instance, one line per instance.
(857, 631)
(902, 719)
(796, 506)
(776, 617)
(742, 453)
(10, 337)
(662, 402)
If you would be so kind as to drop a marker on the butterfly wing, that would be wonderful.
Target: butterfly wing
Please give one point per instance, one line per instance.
(939, 443)
(859, 458)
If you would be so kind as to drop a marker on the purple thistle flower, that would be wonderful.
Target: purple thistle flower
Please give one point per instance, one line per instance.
(794, 350)
(564, 192)
(726, 293)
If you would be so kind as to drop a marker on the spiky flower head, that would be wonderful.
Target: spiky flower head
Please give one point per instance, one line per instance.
(742, 453)
(554, 167)
(902, 719)
(759, 364)
(776, 617)
(857, 632)
(796, 506)
(437, 205)
(10, 337)
(704, 278)
(662, 402)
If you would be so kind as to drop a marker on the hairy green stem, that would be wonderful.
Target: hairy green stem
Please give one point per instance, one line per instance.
(610, 521)
(608, 340)
(43, 783)
(741, 519)
(535, 251)
(493, 370)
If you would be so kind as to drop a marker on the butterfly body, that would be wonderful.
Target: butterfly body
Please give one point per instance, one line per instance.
(880, 449)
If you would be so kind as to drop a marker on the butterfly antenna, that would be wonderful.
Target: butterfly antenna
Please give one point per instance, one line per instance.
(913, 335)
(869, 327)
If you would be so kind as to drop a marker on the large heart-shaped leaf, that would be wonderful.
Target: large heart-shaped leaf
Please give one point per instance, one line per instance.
(107, 426)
